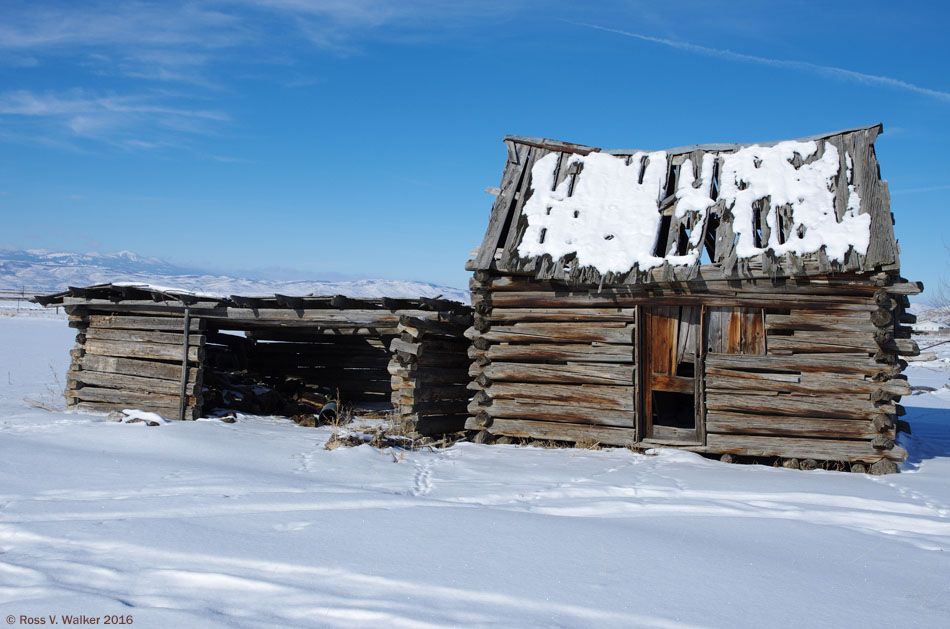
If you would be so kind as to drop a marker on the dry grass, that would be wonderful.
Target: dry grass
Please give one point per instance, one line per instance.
(588, 444)
(401, 425)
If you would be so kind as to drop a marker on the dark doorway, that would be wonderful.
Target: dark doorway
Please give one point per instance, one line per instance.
(669, 342)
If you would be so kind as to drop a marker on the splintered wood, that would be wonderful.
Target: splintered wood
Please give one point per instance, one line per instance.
(268, 355)
(796, 356)
(817, 378)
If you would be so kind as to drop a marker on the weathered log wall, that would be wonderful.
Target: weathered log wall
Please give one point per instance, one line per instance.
(547, 364)
(429, 372)
(815, 373)
(130, 351)
(127, 361)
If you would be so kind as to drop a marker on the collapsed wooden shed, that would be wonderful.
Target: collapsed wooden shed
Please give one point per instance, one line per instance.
(724, 298)
(181, 355)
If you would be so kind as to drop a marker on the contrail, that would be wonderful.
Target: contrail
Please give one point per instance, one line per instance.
(840, 73)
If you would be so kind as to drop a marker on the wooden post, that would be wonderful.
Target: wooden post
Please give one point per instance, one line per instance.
(183, 397)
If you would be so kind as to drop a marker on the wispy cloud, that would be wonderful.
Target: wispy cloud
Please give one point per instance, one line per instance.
(161, 41)
(176, 40)
(832, 71)
(118, 120)
(202, 48)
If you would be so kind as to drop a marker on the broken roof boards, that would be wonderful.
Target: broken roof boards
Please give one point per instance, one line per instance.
(579, 214)
(175, 352)
(741, 300)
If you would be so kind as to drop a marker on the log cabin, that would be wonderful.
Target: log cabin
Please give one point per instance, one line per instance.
(182, 355)
(736, 300)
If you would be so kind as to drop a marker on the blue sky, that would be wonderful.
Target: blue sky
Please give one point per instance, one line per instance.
(356, 138)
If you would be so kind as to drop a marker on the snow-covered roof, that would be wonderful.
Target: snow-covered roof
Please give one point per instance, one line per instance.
(581, 214)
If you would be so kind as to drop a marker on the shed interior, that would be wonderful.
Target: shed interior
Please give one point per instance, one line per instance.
(183, 355)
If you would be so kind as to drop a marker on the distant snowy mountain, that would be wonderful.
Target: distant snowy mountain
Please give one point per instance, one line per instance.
(41, 270)
(927, 312)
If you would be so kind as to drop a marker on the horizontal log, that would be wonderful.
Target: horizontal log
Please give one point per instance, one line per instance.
(143, 336)
(118, 322)
(515, 315)
(817, 323)
(570, 373)
(440, 344)
(426, 348)
(896, 386)
(419, 328)
(133, 367)
(328, 318)
(903, 347)
(814, 342)
(212, 311)
(622, 299)
(905, 288)
(589, 396)
(829, 343)
(789, 426)
(603, 332)
(540, 352)
(430, 393)
(312, 334)
(398, 345)
(167, 412)
(799, 363)
(555, 412)
(326, 332)
(762, 379)
(311, 349)
(819, 449)
(159, 351)
(815, 383)
(796, 405)
(557, 431)
(132, 399)
(136, 306)
(833, 285)
(77, 379)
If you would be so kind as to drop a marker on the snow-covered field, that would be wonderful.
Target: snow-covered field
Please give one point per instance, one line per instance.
(255, 524)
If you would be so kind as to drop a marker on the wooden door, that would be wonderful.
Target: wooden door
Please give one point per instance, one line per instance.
(669, 353)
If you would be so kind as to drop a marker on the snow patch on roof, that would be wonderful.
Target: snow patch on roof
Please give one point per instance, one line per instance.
(757, 172)
(611, 218)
